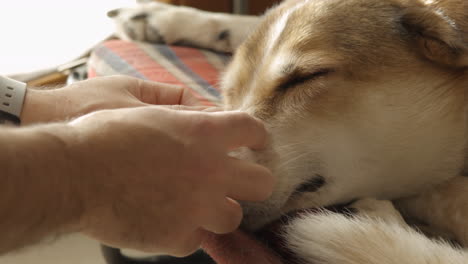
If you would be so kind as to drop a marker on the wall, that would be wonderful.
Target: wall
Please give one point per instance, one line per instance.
(43, 33)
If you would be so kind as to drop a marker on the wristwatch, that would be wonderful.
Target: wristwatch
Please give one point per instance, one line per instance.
(12, 95)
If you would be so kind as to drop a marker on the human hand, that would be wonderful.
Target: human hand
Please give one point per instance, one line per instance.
(111, 92)
(158, 180)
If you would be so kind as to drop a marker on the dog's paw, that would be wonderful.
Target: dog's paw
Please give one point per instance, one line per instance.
(329, 237)
(149, 22)
(156, 22)
(380, 209)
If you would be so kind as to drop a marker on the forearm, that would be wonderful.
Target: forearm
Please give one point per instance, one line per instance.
(38, 194)
(45, 106)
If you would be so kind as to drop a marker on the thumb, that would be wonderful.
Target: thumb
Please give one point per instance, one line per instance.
(155, 93)
(193, 108)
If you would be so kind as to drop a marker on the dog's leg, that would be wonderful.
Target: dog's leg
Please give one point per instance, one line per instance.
(376, 235)
(162, 23)
(379, 209)
(445, 208)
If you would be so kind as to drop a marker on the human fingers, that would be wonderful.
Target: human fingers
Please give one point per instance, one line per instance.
(189, 244)
(156, 93)
(213, 109)
(249, 181)
(199, 108)
(239, 129)
(224, 217)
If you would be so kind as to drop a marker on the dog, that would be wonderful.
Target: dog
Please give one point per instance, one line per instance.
(365, 102)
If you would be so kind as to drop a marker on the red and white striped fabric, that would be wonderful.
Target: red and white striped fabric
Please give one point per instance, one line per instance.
(196, 69)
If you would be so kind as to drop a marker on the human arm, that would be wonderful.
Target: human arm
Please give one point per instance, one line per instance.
(51, 105)
(37, 196)
(147, 178)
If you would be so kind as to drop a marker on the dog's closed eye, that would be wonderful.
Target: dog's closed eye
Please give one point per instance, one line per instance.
(296, 78)
(312, 185)
(138, 17)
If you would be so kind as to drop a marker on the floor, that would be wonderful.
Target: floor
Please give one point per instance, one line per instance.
(46, 33)
(74, 249)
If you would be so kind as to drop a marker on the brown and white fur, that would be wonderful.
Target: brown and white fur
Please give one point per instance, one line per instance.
(361, 98)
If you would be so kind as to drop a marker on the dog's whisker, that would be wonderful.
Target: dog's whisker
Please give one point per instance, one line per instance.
(287, 162)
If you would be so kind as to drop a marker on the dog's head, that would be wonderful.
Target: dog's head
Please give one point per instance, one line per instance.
(360, 97)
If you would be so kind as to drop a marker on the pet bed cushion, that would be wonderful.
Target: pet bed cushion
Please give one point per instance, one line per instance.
(197, 69)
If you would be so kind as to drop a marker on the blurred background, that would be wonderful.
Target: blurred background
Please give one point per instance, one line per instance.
(38, 34)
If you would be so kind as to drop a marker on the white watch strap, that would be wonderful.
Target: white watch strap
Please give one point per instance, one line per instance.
(12, 95)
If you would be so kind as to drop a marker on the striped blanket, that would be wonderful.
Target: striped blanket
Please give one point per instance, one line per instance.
(196, 69)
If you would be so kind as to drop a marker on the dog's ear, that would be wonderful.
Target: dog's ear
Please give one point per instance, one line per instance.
(436, 36)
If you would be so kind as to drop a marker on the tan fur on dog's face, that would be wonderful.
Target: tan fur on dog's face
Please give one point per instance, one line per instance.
(361, 98)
